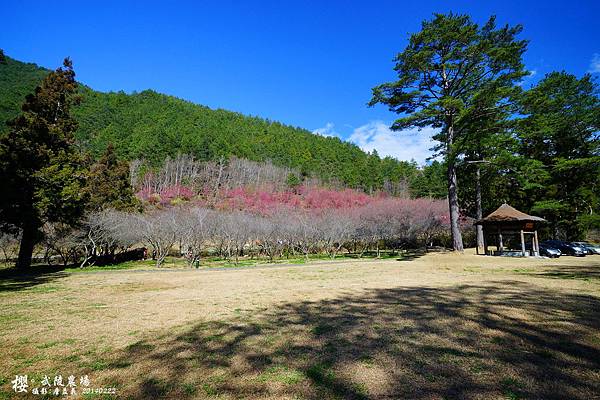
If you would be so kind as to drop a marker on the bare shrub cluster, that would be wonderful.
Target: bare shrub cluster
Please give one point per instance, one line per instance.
(194, 231)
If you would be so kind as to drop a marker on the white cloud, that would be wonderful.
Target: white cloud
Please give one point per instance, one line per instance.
(530, 75)
(410, 144)
(595, 64)
(327, 130)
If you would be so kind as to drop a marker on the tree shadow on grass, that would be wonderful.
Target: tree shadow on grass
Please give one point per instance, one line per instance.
(402, 255)
(411, 255)
(572, 272)
(13, 279)
(506, 340)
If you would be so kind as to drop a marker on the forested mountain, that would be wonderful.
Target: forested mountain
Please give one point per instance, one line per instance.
(153, 126)
(17, 80)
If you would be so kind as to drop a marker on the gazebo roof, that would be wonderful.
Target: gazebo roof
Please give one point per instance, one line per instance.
(506, 213)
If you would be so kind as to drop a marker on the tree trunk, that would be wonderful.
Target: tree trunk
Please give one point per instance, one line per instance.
(26, 248)
(457, 243)
(480, 244)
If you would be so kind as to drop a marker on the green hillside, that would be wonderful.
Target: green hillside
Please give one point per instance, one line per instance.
(17, 80)
(153, 126)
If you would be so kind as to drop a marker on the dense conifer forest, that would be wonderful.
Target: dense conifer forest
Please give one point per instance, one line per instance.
(153, 126)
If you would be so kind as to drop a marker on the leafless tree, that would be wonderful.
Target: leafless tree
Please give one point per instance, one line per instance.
(273, 232)
(135, 170)
(371, 227)
(9, 244)
(234, 232)
(158, 229)
(61, 240)
(211, 176)
(336, 227)
(399, 188)
(103, 232)
(195, 227)
(304, 231)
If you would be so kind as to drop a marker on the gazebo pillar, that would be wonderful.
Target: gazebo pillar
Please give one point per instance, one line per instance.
(485, 245)
(500, 244)
(523, 243)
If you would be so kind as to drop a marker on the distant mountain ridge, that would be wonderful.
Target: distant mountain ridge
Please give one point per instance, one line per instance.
(153, 126)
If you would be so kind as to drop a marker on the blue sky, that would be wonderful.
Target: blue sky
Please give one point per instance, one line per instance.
(308, 64)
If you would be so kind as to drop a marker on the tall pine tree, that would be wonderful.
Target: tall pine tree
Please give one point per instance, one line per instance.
(442, 71)
(40, 168)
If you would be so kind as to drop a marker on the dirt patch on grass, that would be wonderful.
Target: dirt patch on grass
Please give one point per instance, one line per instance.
(439, 326)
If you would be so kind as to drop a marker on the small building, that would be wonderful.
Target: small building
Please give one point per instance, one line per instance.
(508, 222)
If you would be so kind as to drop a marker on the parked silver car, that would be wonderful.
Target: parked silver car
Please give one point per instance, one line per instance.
(591, 248)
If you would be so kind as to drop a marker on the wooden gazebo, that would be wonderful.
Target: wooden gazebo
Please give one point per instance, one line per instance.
(505, 221)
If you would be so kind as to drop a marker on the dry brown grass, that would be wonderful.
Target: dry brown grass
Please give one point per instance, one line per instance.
(438, 326)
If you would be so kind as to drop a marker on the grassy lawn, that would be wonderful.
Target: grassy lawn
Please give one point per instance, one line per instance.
(6, 269)
(438, 326)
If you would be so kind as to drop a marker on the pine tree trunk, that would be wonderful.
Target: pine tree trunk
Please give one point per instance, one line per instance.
(26, 248)
(457, 243)
(480, 244)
